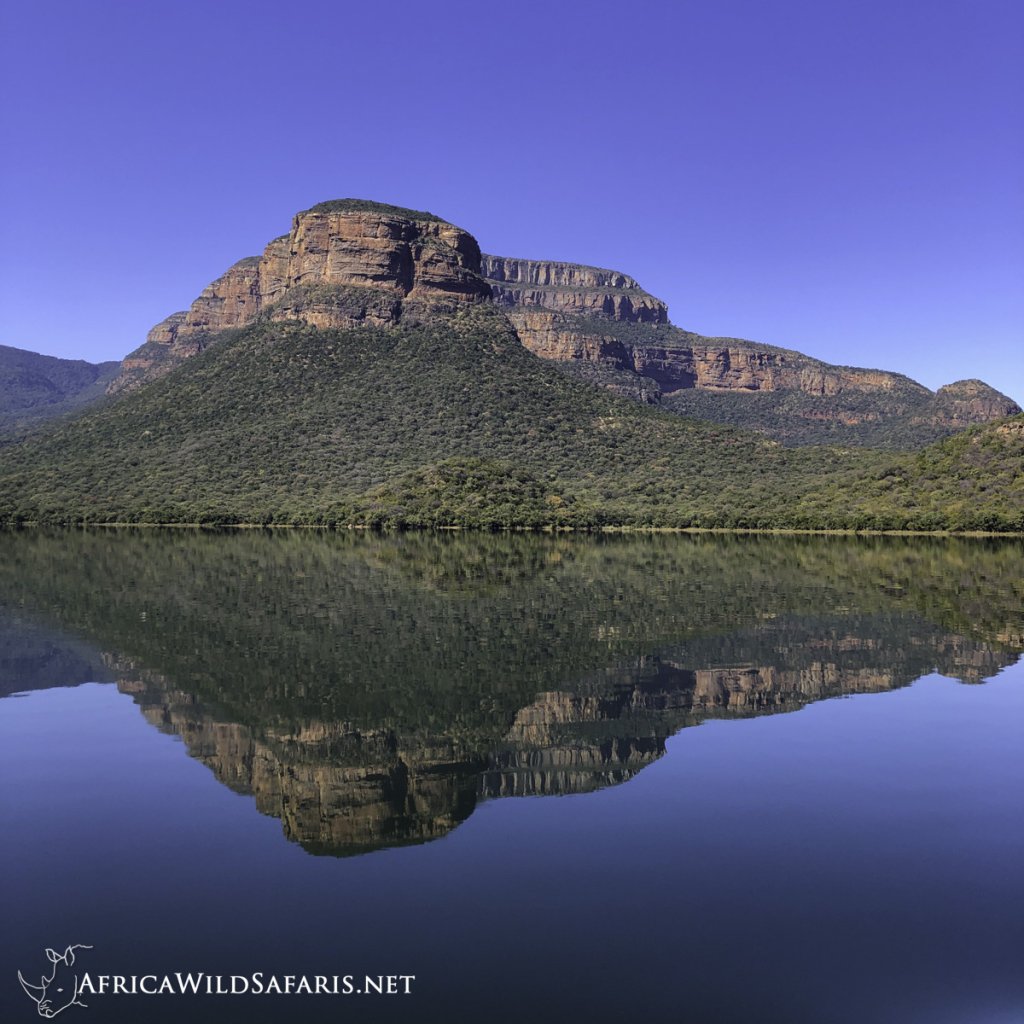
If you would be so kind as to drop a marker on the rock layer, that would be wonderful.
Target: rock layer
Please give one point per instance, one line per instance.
(676, 359)
(342, 263)
(971, 401)
(621, 338)
(570, 288)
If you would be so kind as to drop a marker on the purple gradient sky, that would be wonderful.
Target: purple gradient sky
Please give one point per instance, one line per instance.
(844, 177)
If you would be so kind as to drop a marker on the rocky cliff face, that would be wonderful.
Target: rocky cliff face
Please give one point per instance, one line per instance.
(732, 366)
(557, 310)
(342, 263)
(570, 288)
(971, 401)
(676, 359)
(605, 328)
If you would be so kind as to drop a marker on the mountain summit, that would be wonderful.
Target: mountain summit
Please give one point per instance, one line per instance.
(343, 263)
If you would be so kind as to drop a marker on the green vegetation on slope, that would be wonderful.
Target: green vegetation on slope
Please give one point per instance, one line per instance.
(891, 421)
(482, 492)
(368, 206)
(34, 388)
(972, 480)
(425, 631)
(903, 416)
(283, 423)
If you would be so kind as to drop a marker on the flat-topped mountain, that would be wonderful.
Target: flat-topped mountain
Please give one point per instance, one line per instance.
(352, 261)
(602, 325)
(343, 262)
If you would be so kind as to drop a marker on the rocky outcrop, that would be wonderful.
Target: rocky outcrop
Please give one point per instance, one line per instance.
(342, 263)
(605, 328)
(971, 401)
(676, 359)
(398, 252)
(566, 312)
(733, 366)
(1012, 430)
(571, 288)
(552, 335)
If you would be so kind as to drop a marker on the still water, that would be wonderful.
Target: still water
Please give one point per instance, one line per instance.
(525, 778)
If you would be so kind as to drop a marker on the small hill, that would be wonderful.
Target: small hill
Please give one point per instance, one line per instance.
(972, 480)
(34, 387)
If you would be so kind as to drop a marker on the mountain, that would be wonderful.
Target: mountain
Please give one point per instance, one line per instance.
(345, 263)
(598, 324)
(361, 371)
(603, 326)
(35, 387)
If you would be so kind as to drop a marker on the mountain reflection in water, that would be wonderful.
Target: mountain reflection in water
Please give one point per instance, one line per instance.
(371, 691)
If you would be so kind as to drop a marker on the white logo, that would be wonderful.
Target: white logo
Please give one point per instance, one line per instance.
(61, 989)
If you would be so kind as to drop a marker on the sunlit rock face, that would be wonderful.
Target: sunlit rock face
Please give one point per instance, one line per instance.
(558, 310)
(571, 288)
(343, 263)
(971, 401)
(604, 323)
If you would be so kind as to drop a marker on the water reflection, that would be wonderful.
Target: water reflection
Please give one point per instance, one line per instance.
(370, 692)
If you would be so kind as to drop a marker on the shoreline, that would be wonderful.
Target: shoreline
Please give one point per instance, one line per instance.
(588, 531)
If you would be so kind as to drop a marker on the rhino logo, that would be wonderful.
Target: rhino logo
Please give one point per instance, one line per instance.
(56, 993)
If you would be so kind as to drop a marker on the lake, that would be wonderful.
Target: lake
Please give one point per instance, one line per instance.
(512, 778)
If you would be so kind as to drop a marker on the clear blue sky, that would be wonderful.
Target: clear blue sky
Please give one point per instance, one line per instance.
(844, 177)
